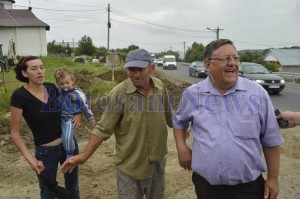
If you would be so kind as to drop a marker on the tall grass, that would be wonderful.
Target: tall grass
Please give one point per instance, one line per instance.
(50, 64)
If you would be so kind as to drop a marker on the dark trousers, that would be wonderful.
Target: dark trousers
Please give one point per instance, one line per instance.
(250, 190)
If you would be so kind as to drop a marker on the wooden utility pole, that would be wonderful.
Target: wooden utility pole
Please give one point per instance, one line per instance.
(217, 30)
(108, 27)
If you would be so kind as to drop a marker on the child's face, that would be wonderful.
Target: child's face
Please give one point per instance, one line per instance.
(66, 83)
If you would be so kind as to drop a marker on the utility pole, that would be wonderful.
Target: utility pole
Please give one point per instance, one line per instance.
(184, 50)
(217, 30)
(108, 27)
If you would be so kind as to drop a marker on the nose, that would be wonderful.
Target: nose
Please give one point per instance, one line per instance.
(136, 73)
(40, 70)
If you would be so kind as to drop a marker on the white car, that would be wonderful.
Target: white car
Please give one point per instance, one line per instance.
(159, 62)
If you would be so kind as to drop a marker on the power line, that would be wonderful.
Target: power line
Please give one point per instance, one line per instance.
(120, 13)
(59, 10)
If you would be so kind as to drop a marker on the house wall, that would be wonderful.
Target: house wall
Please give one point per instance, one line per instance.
(6, 4)
(28, 40)
(6, 34)
(293, 69)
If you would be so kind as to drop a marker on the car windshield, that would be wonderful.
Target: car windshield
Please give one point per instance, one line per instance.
(199, 64)
(255, 69)
(170, 60)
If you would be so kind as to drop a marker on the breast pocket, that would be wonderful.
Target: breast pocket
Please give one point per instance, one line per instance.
(245, 126)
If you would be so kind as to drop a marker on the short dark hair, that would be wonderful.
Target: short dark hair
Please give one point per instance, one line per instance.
(214, 45)
(22, 65)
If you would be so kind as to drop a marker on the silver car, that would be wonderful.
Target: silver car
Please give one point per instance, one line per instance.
(258, 73)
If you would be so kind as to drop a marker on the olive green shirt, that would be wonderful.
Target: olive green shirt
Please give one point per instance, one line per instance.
(139, 123)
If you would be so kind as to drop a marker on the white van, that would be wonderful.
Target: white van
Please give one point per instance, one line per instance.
(169, 61)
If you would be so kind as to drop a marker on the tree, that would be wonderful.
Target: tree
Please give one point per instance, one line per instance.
(169, 52)
(194, 53)
(86, 46)
(52, 48)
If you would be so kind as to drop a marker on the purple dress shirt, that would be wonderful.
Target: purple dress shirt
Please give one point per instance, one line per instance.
(229, 130)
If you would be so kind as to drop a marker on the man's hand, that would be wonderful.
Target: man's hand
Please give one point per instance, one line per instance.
(71, 163)
(185, 158)
(271, 189)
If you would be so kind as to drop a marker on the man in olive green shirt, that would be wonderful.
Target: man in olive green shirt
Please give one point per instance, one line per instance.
(138, 112)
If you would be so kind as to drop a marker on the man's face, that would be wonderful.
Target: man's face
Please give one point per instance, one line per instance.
(140, 76)
(223, 72)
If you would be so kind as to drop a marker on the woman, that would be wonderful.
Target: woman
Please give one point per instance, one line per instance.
(38, 102)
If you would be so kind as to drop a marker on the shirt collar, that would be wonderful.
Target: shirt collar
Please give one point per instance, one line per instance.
(206, 86)
(131, 88)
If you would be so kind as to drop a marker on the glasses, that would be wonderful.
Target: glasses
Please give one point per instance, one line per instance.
(226, 59)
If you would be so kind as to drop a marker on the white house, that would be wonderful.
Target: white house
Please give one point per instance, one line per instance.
(287, 59)
(23, 28)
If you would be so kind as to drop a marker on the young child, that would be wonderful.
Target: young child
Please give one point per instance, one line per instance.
(73, 101)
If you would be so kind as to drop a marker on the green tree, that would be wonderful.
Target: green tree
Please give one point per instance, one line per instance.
(272, 66)
(256, 56)
(86, 46)
(52, 48)
(194, 53)
(169, 52)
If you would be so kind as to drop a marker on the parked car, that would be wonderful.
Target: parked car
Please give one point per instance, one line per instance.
(197, 69)
(258, 73)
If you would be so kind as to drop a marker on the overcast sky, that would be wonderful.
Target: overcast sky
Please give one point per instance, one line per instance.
(159, 25)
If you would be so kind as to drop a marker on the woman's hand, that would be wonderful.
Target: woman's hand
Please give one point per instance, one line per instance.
(37, 165)
(77, 121)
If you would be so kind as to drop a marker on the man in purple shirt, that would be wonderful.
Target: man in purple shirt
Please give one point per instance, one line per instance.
(233, 123)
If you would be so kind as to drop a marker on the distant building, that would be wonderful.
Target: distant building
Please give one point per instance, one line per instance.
(23, 28)
(287, 59)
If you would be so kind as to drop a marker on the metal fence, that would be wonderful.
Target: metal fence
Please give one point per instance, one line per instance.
(293, 77)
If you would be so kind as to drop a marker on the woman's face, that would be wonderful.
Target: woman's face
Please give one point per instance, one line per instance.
(35, 71)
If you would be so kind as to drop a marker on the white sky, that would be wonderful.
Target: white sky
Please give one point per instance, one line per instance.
(159, 25)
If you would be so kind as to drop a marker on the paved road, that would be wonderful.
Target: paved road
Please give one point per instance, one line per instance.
(288, 99)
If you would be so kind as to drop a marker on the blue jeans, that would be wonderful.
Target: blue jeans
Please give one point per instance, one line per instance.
(51, 156)
(68, 134)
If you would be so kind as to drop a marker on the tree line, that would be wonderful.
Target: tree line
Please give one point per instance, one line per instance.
(193, 53)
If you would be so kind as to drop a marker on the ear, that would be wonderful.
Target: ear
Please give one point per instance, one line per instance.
(24, 73)
(152, 68)
(207, 65)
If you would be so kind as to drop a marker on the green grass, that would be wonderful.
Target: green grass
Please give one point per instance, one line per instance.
(11, 83)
